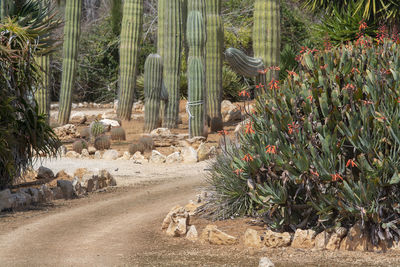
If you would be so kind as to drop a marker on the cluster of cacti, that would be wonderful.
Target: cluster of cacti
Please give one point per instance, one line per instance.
(324, 146)
(153, 83)
(73, 9)
(42, 94)
(118, 133)
(147, 141)
(196, 38)
(102, 142)
(135, 147)
(214, 63)
(79, 145)
(96, 129)
(129, 50)
(171, 54)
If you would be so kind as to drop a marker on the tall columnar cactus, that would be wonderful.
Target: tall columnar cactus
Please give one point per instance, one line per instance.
(160, 50)
(73, 9)
(197, 5)
(42, 94)
(214, 52)
(6, 6)
(128, 53)
(243, 64)
(153, 79)
(196, 37)
(266, 34)
(172, 59)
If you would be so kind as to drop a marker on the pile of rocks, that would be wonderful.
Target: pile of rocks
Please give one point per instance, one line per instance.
(56, 106)
(67, 132)
(67, 187)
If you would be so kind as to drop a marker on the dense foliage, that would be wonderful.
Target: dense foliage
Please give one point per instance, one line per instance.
(23, 132)
(322, 149)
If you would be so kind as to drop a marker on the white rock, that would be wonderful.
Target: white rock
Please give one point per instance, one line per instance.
(74, 105)
(192, 234)
(108, 122)
(174, 158)
(161, 131)
(78, 118)
(265, 262)
(157, 157)
(109, 115)
(110, 154)
(304, 239)
(97, 155)
(230, 112)
(72, 154)
(189, 155)
(85, 153)
(92, 150)
(126, 156)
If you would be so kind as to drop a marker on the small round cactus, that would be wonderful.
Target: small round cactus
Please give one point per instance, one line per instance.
(96, 129)
(133, 148)
(118, 133)
(102, 142)
(147, 142)
(85, 133)
(79, 145)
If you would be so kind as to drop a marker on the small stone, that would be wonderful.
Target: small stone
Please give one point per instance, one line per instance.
(67, 188)
(80, 172)
(178, 225)
(304, 239)
(265, 262)
(192, 234)
(213, 235)
(174, 158)
(321, 240)
(110, 154)
(203, 153)
(5, 199)
(161, 131)
(45, 173)
(334, 242)
(72, 154)
(34, 192)
(167, 219)
(92, 150)
(78, 118)
(57, 192)
(126, 156)
(189, 155)
(110, 123)
(85, 153)
(97, 155)
(157, 157)
(276, 240)
(252, 238)
(355, 240)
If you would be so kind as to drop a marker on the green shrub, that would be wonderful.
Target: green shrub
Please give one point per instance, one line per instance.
(322, 150)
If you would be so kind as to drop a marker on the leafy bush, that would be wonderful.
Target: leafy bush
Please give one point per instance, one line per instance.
(322, 150)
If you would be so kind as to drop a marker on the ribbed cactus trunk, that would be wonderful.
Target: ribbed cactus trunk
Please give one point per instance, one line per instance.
(160, 49)
(73, 10)
(153, 79)
(172, 44)
(42, 94)
(6, 6)
(214, 63)
(128, 54)
(196, 37)
(267, 36)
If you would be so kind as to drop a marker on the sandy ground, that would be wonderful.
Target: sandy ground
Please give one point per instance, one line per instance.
(121, 227)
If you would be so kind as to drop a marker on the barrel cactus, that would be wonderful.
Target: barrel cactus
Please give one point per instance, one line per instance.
(196, 37)
(102, 142)
(136, 147)
(118, 133)
(73, 9)
(85, 133)
(79, 145)
(129, 50)
(96, 128)
(153, 72)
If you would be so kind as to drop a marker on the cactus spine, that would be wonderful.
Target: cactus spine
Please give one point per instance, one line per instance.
(129, 50)
(172, 59)
(196, 37)
(42, 94)
(266, 34)
(214, 63)
(153, 72)
(72, 26)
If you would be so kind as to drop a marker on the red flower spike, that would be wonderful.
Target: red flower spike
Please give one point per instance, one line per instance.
(314, 173)
(238, 171)
(310, 97)
(249, 128)
(247, 158)
(351, 162)
(270, 149)
(274, 84)
(223, 132)
(336, 177)
(244, 93)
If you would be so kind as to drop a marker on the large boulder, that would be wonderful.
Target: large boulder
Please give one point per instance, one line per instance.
(213, 235)
(189, 155)
(203, 152)
(304, 239)
(276, 240)
(6, 200)
(46, 194)
(192, 234)
(139, 157)
(252, 239)
(157, 157)
(334, 242)
(355, 239)
(110, 154)
(44, 173)
(67, 188)
(78, 118)
(321, 240)
(174, 158)
(110, 123)
(167, 219)
(179, 220)
(230, 112)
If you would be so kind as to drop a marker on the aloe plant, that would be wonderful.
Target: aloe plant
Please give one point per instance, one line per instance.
(129, 50)
(73, 10)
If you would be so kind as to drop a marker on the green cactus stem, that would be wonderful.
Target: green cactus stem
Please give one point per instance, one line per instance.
(6, 7)
(172, 60)
(73, 10)
(197, 5)
(153, 74)
(243, 64)
(267, 34)
(196, 37)
(214, 62)
(42, 94)
(129, 50)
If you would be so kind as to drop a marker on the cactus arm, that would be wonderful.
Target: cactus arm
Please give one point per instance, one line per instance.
(42, 94)
(153, 72)
(172, 60)
(266, 34)
(73, 11)
(129, 50)
(243, 64)
(214, 61)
